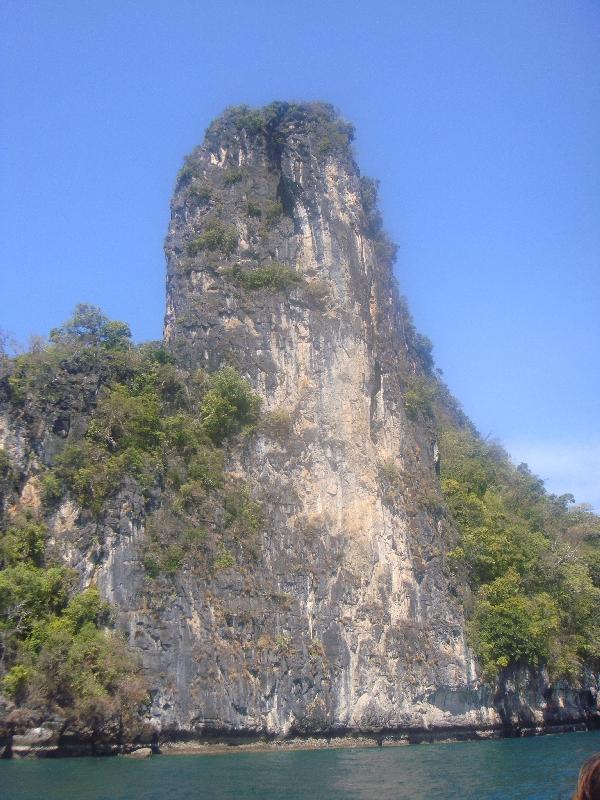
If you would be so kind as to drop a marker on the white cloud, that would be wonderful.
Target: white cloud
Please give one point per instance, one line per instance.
(565, 466)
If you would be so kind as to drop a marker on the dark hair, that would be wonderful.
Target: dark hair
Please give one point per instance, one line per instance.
(588, 785)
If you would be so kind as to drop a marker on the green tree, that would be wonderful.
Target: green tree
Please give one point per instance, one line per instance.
(23, 542)
(89, 326)
(528, 558)
(509, 627)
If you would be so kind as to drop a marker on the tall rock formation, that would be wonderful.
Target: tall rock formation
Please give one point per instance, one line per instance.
(352, 623)
(320, 599)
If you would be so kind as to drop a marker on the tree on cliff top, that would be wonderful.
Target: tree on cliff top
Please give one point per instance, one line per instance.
(89, 326)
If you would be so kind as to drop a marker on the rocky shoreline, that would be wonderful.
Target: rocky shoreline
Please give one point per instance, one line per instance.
(43, 742)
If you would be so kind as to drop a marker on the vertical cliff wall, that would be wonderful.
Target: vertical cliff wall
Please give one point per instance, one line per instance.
(296, 291)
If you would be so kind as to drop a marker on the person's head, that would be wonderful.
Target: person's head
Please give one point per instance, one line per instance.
(588, 786)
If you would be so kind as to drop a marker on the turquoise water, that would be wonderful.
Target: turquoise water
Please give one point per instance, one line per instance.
(543, 768)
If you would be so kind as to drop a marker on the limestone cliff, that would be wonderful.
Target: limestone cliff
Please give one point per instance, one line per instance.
(340, 615)
(374, 635)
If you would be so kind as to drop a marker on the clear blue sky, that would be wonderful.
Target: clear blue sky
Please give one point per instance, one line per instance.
(481, 118)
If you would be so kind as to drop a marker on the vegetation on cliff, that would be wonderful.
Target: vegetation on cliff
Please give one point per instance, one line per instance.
(146, 421)
(331, 134)
(273, 277)
(59, 651)
(529, 560)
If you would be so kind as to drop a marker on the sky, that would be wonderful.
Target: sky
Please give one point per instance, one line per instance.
(480, 118)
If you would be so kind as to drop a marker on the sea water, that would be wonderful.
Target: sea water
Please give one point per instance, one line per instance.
(542, 768)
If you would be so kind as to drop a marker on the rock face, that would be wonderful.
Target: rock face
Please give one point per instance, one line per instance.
(345, 620)
(340, 616)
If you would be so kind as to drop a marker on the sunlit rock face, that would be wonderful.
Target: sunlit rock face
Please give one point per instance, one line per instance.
(345, 618)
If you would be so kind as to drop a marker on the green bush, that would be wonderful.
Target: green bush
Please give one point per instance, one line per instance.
(174, 540)
(51, 488)
(15, 682)
(236, 120)
(173, 559)
(423, 347)
(273, 213)
(284, 644)
(56, 650)
(510, 627)
(128, 434)
(216, 237)
(32, 373)
(150, 422)
(224, 559)
(200, 193)
(232, 176)
(330, 133)
(592, 560)
(89, 473)
(390, 472)
(369, 189)
(151, 428)
(4, 463)
(151, 565)
(89, 344)
(126, 417)
(335, 135)
(253, 209)
(272, 277)
(242, 118)
(29, 596)
(186, 173)
(419, 397)
(228, 406)
(385, 249)
(87, 607)
(89, 674)
(243, 515)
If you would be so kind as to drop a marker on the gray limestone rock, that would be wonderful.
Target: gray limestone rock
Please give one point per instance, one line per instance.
(40, 741)
(141, 752)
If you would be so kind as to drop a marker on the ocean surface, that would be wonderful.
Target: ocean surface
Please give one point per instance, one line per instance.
(543, 768)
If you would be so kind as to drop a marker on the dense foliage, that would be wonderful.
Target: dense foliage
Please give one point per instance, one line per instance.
(146, 422)
(57, 647)
(530, 560)
(527, 563)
